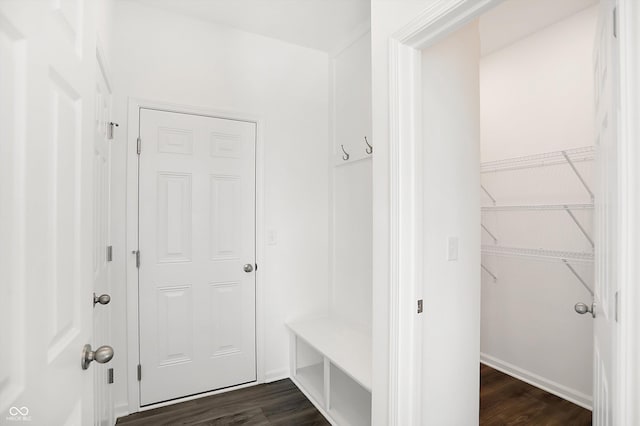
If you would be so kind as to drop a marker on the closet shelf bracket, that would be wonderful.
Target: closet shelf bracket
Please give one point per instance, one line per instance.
(495, 279)
(575, 273)
(579, 225)
(493, 237)
(493, 200)
(577, 173)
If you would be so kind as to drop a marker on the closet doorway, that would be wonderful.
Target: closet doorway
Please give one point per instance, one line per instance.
(196, 257)
(446, 139)
(533, 131)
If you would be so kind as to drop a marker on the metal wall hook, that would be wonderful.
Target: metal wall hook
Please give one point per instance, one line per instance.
(345, 157)
(369, 148)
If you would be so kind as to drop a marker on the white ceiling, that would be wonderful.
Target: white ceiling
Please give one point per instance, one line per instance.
(325, 24)
(516, 19)
(318, 24)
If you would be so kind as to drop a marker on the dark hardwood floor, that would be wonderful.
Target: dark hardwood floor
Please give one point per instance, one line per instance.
(508, 401)
(503, 401)
(277, 403)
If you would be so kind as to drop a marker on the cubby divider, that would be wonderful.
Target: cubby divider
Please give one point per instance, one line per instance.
(331, 364)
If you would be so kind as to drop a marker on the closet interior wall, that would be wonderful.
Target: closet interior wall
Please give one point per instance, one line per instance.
(536, 96)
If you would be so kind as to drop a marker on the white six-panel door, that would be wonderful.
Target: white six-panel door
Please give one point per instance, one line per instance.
(606, 218)
(46, 111)
(196, 236)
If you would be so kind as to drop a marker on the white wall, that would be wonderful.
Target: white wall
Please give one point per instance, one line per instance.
(544, 84)
(352, 186)
(104, 10)
(451, 188)
(537, 96)
(168, 57)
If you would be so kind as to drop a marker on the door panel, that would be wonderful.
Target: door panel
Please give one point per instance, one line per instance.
(197, 230)
(46, 210)
(606, 217)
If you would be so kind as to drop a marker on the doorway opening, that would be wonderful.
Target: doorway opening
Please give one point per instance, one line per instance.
(508, 162)
(442, 189)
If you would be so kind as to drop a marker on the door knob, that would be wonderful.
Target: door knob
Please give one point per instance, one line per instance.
(248, 267)
(583, 308)
(101, 355)
(103, 299)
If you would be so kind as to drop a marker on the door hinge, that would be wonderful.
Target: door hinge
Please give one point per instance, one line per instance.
(137, 258)
(109, 253)
(256, 268)
(139, 145)
(110, 129)
(110, 376)
(420, 306)
(615, 22)
(139, 372)
(617, 302)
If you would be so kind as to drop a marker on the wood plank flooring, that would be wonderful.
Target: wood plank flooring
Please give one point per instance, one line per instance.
(508, 401)
(277, 403)
(504, 401)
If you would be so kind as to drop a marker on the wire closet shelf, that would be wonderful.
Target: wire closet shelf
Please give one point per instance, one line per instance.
(575, 155)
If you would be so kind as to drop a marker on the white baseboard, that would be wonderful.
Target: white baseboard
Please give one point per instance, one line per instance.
(121, 410)
(275, 375)
(550, 386)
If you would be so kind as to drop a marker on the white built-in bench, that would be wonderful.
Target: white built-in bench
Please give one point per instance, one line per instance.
(331, 364)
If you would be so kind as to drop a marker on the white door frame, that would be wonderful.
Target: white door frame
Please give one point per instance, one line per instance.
(133, 341)
(441, 18)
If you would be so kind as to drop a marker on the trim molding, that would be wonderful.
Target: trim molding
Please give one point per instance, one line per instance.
(435, 22)
(133, 341)
(275, 375)
(629, 273)
(533, 379)
(121, 410)
(405, 215)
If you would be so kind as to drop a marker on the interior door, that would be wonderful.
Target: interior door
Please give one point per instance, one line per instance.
(46, 109)
(102, 253)
(197, 254)
(606, 217)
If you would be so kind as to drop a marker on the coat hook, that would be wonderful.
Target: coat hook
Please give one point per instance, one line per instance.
(369, 148)
(345, 157)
